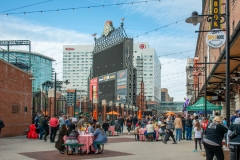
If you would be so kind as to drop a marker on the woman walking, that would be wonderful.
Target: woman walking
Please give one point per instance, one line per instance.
(178, 127)
(197, 135)
(213, 140)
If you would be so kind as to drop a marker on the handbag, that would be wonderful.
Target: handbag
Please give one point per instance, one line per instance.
(232, 135)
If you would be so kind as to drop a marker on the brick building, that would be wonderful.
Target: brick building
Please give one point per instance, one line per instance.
(216, 77)
(15, 99)
(165, 97)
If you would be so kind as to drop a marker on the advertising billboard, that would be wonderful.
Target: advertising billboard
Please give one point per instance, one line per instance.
(93, 88)
(107, 91)
(121, 86)
(107, 77)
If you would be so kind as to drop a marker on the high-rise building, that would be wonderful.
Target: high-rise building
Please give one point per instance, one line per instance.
(77, 63)
(165, 97)
(148, 67)
(40, 67)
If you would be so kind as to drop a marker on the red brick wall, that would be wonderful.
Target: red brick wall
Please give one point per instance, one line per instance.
(15, 89)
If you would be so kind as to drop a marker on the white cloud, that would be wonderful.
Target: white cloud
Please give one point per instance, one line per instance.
(46, 40)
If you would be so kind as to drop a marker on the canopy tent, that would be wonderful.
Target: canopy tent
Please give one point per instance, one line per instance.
(170, 113)
(199, 106)
(113, 113)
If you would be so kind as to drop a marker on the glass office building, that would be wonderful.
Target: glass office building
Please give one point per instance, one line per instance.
(41, 67)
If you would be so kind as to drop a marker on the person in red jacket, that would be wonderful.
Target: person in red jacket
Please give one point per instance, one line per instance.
(53, 124)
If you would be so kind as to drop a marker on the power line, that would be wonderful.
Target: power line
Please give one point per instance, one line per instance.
(159, 28)
(176, 60)
(176, 53)
(174, 74)
(26, 6)
(86, 7)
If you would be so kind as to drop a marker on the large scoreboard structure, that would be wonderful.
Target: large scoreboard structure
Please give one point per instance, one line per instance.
(113, 67)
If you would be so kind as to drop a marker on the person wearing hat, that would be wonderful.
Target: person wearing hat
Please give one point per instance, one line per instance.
(232, 128)
(213, 140)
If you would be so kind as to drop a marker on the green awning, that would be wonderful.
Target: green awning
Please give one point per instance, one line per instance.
(199, 106)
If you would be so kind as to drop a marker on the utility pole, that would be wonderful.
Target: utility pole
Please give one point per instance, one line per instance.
(75, 99)
(55, 93)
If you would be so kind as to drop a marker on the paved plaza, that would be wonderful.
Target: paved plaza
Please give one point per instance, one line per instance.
(118, 148)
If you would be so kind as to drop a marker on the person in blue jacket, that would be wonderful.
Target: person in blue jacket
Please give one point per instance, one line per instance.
(100, 136)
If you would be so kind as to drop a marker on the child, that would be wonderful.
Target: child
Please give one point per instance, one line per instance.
(80, 129)
(136, 131)
(197, 135)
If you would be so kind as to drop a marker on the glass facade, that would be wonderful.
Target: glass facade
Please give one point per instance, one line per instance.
(41, 67)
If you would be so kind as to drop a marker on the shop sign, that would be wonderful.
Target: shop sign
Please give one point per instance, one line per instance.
(215, 38)
(215, 11)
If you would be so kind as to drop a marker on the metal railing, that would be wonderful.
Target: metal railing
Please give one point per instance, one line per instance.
(10, 58)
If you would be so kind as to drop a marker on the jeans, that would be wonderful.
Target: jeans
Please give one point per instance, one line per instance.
(213, 150)
(46, 133)
(178, 134)
(121, 128)
(41, 132)
(96, 146)
(53, 133)
(188, 133)
(71, 147)
(199, 141)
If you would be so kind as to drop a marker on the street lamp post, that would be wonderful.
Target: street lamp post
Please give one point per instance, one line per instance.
(194, 19)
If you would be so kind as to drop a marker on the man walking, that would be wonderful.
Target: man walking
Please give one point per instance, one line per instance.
(53, 124)
(121, 122)
(134, 120)
(183, 124)
(40, 125)
(169, 131)
(188, 128)
(45, 127)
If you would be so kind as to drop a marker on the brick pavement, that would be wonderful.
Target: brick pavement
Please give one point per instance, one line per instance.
(119, 148)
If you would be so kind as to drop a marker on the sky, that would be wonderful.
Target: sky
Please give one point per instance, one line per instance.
(49, 31)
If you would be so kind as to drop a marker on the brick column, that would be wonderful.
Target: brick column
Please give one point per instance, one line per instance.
(237, 101)
(232, 106)
(104, 105)
(118, 107)
(223, 111)
(95, 106)
(122, 107)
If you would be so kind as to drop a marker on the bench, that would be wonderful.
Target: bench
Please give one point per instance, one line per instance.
(99, 144)
(150, 136)
(73, 145)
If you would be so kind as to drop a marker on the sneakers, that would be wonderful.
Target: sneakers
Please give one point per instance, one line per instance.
(178, 142)
(194, 150)
(128, 133)
(174, 143)
(96, 151)
(164, 142)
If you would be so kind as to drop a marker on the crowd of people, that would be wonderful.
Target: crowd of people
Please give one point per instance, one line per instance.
(207, 132)
(72, 129)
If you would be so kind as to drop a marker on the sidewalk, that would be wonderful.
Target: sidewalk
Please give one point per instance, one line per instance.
(119, 148)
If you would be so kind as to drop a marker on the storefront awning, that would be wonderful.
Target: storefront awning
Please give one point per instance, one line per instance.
(218, 72)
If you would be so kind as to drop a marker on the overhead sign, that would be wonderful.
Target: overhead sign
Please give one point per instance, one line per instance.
(215, 38)
(93, 88)
(69, 49)
(215, 11)
(121, 87)
(107, 77)
(142, 46)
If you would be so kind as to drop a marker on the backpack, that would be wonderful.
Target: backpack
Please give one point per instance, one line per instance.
(1, 124)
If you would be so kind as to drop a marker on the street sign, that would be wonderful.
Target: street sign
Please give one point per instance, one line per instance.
(216, 38)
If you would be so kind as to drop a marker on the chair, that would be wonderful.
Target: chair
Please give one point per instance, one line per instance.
(100, 144)
(73, 145)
